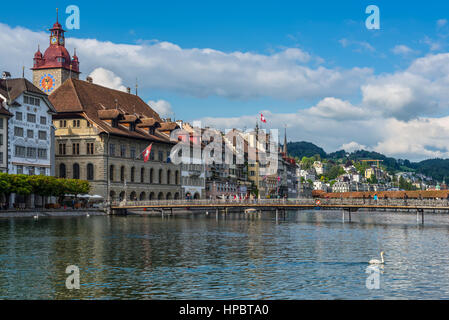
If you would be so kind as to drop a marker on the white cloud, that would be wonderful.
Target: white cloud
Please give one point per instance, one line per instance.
(402, 50)
(397, 112)
(195, 71)
(359, 46)
(337, 109)
(162, 107)
(353, 146)
(107, 78)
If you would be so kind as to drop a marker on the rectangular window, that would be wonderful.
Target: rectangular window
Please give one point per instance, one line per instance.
(31, 153)
(42, 154)
(1, 123)
(62, 149)
(161, 156)
(20, 151)
(112, 149)
(31, 100)
(19, 169)
(62, 123)
(42, 171)
(19, 116)
(1, 139)
(133, 153)
(30, 134)
(31, 117)
(18, 132)
(123, 151)
(76, 123)
(44, 120)
(1, 157)
(76, 149)
(90, 148)
(31, 171)
(42, 135)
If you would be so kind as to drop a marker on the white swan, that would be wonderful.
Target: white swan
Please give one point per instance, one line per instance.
(87, 215)
(375, 261)
(36, 217)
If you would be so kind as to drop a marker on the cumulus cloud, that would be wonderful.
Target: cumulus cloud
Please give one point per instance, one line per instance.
(162, 107)
(400, 114)
(353, 146)
(107, 78)
(337, 109)
(420, 90)
(199, 72)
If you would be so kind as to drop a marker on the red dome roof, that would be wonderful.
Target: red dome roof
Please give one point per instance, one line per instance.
(38, 55)
(56, 26)
(56, 56)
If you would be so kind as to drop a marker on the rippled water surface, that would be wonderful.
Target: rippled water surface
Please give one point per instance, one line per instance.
(310, 255)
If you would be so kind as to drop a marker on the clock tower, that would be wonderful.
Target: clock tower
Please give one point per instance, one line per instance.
(55, 66)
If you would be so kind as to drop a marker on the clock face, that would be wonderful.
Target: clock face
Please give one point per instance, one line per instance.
(61, 41)
(47, 83)
(54, 40)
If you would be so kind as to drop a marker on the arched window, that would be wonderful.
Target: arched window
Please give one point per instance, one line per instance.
(111, 173)
(62, 171)
(76, 171)
(168, 177)
(133, 174)
(151, 175)
(90, 172)
(122, 174)
(142, 175)
(142, 196)
(160, 196)
(160, 176)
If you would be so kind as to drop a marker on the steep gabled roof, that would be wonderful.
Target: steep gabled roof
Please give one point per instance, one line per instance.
(16, 87)
(96, 103)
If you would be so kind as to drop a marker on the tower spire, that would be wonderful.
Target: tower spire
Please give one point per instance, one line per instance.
(57, 15)
(285, 141)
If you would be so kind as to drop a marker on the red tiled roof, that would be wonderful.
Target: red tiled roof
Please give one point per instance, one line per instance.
(91, 100)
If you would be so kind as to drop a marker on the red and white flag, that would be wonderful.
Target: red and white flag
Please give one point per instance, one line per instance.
(262, 118)
(146, 153)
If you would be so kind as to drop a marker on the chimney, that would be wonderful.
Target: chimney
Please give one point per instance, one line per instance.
(128, 90)
(90, 80)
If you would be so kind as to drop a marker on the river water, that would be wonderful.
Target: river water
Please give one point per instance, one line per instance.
(310, 255)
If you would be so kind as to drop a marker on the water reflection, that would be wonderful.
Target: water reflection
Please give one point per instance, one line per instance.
(311, 255)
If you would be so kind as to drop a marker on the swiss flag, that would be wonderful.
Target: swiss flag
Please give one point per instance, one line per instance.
(262, 118)
(146, 153)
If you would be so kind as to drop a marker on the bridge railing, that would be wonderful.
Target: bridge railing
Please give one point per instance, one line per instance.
(299, 202)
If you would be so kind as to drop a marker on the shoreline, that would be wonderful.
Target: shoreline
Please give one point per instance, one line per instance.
(50, 214)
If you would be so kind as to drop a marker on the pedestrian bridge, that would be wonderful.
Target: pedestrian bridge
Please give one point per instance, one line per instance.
(282, 205)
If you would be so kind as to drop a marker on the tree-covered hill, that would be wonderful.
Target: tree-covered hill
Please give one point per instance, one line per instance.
(438, 169)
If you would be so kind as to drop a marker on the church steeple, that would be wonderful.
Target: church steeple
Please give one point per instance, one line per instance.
(285, 142)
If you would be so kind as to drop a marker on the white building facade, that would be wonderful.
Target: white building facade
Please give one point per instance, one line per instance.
(30, 130)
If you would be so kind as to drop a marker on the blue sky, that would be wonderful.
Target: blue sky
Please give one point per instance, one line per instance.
(332, 35)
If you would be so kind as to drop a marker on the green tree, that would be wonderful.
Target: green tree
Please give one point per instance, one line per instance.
(20, 185)
(5, 184)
